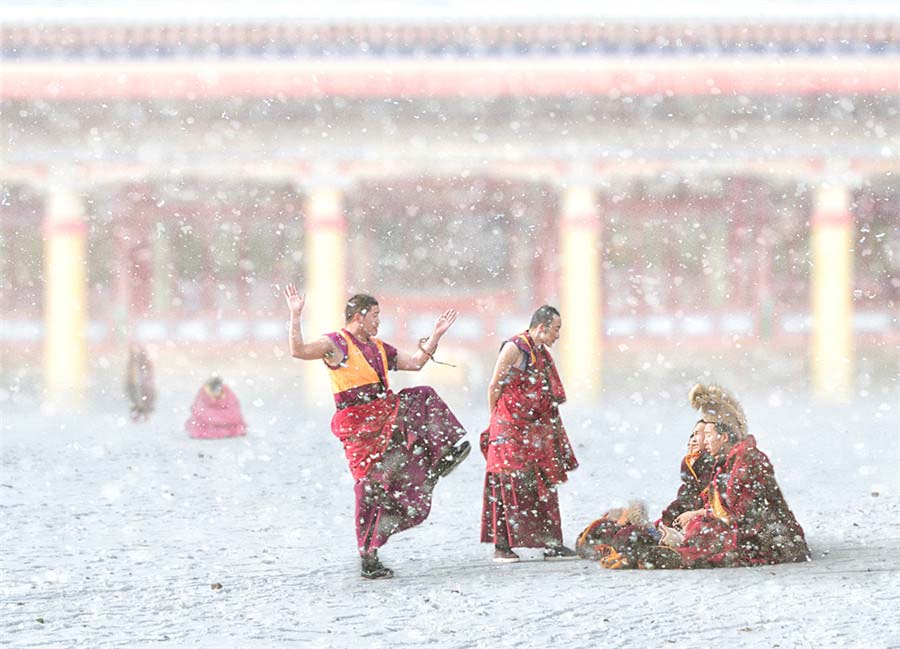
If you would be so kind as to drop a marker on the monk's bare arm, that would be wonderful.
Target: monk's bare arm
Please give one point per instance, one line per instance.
(509, 356)
(416, 361)
(312, 351)
(317, 349)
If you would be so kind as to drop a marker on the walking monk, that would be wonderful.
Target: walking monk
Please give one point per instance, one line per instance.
(397, 445)
(527, 450)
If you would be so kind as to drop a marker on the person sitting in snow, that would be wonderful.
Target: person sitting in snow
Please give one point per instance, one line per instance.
(745, 520)
(215, 412)
(697, 468)
(629, 528)
(621, 527)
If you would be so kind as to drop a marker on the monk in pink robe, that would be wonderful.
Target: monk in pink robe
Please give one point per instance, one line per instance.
(215, 413)
(526, 447)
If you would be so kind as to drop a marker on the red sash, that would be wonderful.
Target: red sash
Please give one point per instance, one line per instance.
(365, 431)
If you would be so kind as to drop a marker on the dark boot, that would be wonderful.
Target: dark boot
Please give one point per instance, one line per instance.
(372, 568)
(502, 551)
(504, 555)
(453, 458)
(558, 552)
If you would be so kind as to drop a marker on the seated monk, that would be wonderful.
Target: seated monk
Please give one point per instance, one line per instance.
(696, 470)
(745, 520)
(139, 383)
(625, 529)
(215, 413)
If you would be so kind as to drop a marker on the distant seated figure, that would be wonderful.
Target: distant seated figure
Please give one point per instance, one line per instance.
(139, 386)
(215, 413)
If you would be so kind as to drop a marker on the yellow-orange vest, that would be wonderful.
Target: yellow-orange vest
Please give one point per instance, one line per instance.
(717, 507)
(356, 372)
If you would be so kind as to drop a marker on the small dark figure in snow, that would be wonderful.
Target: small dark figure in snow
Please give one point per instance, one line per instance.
(139, 385)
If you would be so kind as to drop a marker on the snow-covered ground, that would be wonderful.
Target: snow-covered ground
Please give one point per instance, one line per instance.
(113, 533)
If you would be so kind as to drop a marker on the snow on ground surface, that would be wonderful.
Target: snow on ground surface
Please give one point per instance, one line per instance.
(112, 534)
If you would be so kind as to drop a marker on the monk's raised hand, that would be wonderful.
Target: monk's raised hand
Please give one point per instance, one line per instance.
(446, 319)
(294, 300)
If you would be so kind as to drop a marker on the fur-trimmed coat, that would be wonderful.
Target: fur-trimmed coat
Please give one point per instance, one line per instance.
(695, 476)
(747, 520)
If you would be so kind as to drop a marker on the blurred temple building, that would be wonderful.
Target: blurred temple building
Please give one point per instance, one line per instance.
(693, 179)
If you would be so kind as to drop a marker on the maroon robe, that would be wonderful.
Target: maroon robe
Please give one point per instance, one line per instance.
(628, 538)
(213, 418)
(747, 520)
(695, 476)
(634, 540)
(528, 454)
(393, 443)
(139, 384)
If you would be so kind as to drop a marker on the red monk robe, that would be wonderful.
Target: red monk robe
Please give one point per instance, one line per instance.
(394, 443)
(696, 472)
(747, 521)
(215, 413)
(528, 454)
(628, 531)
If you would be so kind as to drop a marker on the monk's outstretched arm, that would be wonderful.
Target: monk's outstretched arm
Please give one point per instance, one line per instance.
(416, 361)
(320, 348)
(509, 356)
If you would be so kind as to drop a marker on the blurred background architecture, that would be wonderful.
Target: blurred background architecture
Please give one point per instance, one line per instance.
(684, 182)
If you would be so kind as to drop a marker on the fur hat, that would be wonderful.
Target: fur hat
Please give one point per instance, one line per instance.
(634, 514)
(718, 404)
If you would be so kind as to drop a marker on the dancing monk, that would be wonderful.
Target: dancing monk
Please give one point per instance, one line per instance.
(528, 453)
(397, 445)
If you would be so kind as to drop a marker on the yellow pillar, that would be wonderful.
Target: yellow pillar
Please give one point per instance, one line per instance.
(162, 276)
(581, 339)
(65, 300)
(324, 280)
(832, 308)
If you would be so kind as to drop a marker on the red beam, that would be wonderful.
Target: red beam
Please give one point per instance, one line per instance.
(368, 78)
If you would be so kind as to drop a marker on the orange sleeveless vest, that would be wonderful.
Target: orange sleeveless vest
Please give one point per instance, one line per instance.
(356, 372)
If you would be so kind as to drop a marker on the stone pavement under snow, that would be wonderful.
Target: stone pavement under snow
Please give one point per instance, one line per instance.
(112, 534)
